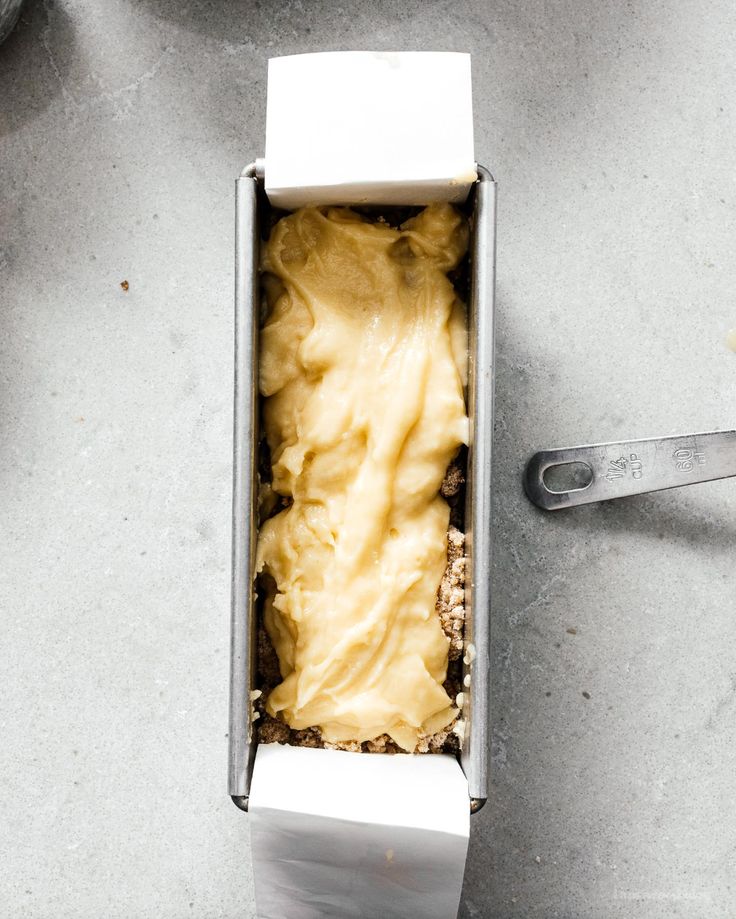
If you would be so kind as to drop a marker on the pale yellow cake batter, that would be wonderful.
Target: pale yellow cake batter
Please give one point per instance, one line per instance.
(362, 364)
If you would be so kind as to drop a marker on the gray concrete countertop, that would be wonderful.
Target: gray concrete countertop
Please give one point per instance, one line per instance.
(610, 128)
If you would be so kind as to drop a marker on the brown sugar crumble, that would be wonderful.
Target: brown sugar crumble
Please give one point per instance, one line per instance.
(451, 610)
(453, 481)
(450, 603)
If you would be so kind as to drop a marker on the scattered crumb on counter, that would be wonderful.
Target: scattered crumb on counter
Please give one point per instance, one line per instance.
(125, 285)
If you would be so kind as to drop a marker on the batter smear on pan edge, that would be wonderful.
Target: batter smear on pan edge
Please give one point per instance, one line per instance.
(362, 365)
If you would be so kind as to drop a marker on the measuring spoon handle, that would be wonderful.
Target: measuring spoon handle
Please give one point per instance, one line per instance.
(632, 467)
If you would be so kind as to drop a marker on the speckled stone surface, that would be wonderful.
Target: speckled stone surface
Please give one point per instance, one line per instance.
(610, 128)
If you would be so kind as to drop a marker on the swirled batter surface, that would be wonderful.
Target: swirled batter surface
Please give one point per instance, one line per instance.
(362, 364)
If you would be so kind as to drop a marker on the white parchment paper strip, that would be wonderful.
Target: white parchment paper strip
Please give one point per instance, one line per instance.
(337, 834)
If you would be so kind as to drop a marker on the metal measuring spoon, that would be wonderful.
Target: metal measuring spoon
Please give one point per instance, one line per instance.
(555, 479)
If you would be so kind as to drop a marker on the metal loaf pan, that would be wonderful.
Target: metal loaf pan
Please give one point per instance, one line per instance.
(250, 210)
